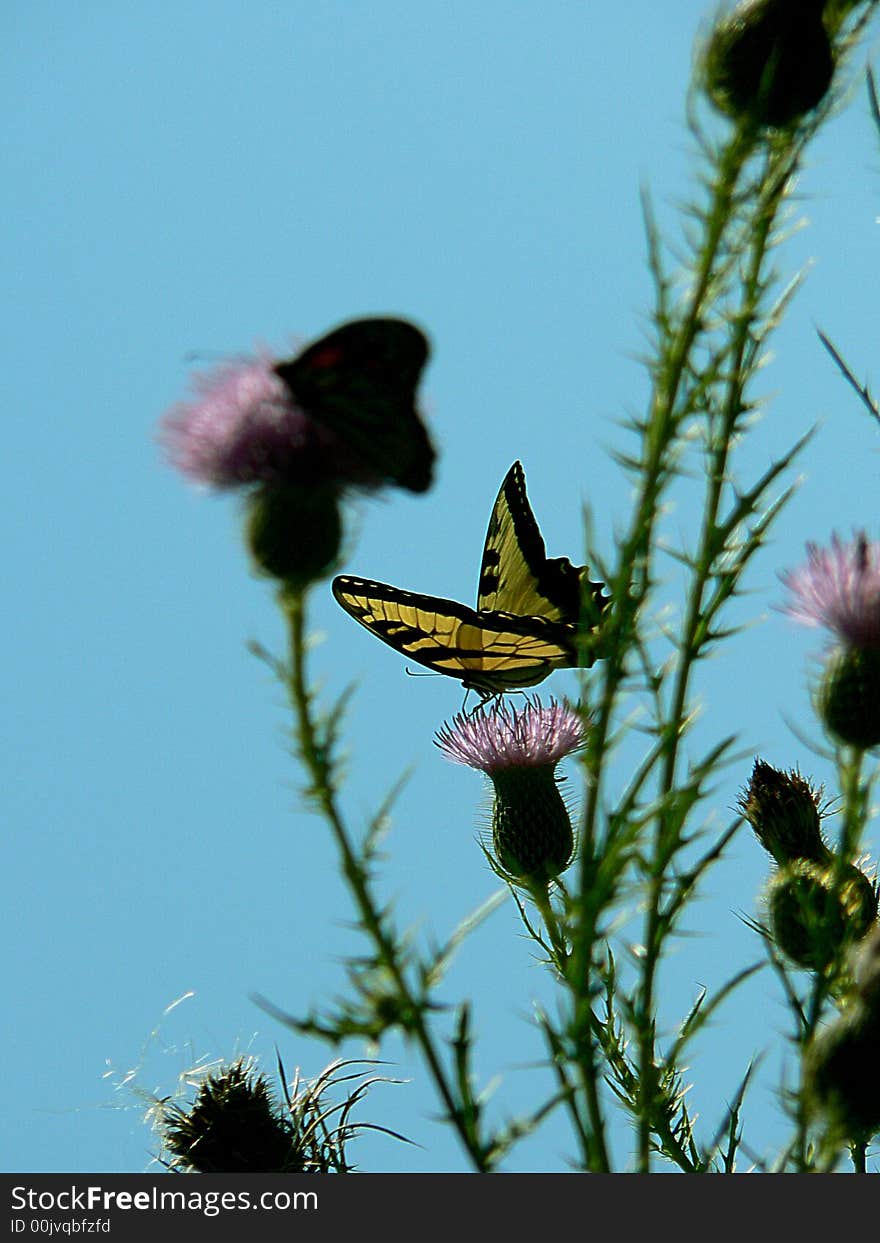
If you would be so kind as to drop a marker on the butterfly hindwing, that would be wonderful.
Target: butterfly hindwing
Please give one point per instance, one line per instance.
(360, 381)
(490, 650)
(517, 575)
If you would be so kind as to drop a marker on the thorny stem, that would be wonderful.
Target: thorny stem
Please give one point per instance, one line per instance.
(664, 848)
(634, 563)
(592, 1137)
(541, 898)
(317, 763)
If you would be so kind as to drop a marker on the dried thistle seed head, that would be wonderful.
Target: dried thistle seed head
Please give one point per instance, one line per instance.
(234, 1126)
(769, 61)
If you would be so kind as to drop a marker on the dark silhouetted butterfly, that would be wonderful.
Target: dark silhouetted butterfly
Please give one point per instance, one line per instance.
(531, 610)
(360, 382)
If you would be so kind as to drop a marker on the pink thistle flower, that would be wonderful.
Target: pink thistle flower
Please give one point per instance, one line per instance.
(502, 738)
(839, 587)
(532, 837)
(243, 428)
(341, 413)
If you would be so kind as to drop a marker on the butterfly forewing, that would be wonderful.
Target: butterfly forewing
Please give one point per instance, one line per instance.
(489, 650)
(360, 381)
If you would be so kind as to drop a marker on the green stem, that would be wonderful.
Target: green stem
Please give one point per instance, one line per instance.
(693, 636)
(541, 897)
(855, 801)
(592, 1136)
(632, 583)
(318, 764)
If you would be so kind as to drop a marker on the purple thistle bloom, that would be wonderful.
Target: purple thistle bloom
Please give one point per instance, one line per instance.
(243, 427)
(839, 588)
(501, 738)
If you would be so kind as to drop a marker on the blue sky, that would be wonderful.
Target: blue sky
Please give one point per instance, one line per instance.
(206, 177)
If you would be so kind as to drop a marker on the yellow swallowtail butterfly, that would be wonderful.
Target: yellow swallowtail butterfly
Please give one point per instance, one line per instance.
(531, 609)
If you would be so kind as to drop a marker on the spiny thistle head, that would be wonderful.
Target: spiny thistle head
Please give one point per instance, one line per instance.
(768, 61)
(839, 588)
(815, 913)
(783, 810)
(234, 1126)
(519, 750)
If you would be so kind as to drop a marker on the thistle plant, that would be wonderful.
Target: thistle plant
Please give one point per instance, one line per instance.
(532, 837)
(603, 876)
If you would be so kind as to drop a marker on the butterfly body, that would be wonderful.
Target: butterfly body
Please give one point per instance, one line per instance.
(532, 611)
(359, 381)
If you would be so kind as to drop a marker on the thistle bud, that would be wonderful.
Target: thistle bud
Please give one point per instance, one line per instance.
(783, 810)
(814, 911)
(293, 532)
(840, 1074)
(849, 696)
(769, 61)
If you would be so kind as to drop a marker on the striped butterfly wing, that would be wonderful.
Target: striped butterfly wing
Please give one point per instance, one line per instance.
(517, 576)
(490, 651)
(360, 382)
